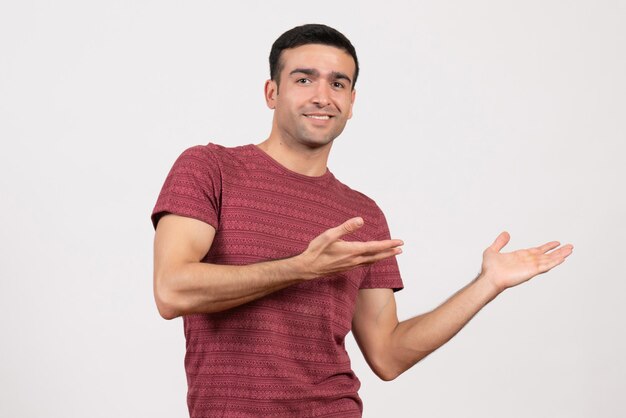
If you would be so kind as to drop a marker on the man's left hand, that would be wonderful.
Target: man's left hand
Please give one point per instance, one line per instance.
(506, 270)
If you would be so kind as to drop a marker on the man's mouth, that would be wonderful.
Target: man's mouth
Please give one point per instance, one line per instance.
(318, 117)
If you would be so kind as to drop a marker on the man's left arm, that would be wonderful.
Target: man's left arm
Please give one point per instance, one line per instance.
(392, 347)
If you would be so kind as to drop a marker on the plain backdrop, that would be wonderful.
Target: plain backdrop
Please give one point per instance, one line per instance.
(470, 118)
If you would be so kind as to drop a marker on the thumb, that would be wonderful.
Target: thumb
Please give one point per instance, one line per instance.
(345, 228)
(501, 241)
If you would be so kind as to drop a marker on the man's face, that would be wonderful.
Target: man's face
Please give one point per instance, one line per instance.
(315, 97)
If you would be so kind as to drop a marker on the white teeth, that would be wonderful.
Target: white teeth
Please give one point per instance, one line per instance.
(325, 117)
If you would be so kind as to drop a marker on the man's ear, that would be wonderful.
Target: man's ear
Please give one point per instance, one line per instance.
(271, 91)
(352, 103)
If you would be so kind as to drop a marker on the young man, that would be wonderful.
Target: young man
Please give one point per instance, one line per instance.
(271, 260)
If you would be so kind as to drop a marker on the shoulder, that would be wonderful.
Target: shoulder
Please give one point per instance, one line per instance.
(220, 153)
(214, 155)
(209, 151)
(358, 197)
(365, 206)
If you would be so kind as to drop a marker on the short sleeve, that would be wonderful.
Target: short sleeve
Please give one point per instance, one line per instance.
(384, 273)
(192, 188)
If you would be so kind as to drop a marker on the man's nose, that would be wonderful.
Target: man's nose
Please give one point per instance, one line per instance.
(322, 95)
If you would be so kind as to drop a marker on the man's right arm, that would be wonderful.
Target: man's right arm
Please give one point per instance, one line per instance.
(185, 285)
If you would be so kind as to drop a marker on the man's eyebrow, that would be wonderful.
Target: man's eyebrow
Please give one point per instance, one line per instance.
(335, 75)
(340, 76)
(307, 71)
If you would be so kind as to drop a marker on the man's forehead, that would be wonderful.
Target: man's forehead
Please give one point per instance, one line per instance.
(324, 58)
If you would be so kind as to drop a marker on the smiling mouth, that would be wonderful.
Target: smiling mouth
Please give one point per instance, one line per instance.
(319, 117)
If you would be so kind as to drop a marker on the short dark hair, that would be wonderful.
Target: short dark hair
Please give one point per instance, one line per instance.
(309, 34)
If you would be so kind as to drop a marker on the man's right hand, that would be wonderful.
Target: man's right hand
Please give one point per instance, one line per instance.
(328, 253)
(183, 284)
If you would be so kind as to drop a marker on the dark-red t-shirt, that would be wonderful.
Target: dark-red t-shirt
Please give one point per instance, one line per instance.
(283, 354)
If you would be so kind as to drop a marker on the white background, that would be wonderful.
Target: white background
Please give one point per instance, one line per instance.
(471, 118)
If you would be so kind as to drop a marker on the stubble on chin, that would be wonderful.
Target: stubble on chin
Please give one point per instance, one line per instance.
(315, 140)
(309, 137)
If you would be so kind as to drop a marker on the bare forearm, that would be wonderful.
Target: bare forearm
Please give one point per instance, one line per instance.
(205, 288)
(415, 338)
(394, 346)
(182, 285)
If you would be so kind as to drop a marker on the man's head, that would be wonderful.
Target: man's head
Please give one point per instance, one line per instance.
(316, 67)
(305, 35)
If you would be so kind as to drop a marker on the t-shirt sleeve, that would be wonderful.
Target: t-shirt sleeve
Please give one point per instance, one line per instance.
(384, 273)
(192, 188)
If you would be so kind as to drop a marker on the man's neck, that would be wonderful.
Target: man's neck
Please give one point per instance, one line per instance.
(300, 159)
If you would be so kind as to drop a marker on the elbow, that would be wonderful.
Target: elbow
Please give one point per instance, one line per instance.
(387, 375)
(385, 371)
(390, 367)
(167, 311)
(166, 306)
(393, 370)
(166, 301)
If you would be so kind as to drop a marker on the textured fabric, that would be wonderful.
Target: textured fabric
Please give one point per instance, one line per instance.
(283, 354)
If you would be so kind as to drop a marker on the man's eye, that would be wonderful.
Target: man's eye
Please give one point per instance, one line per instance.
(303, 81)
(338, 85)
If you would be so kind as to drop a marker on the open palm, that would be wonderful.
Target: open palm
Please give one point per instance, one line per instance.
(510, 269)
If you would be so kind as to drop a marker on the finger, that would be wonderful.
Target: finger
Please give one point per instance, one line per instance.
(562, 252)
(552, 263)
(501, 241)
(370, 259)
(373, 247)
(556, 257)
(548, 246)
(349, 226)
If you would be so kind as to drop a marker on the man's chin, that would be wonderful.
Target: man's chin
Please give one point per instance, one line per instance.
(317, 142)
